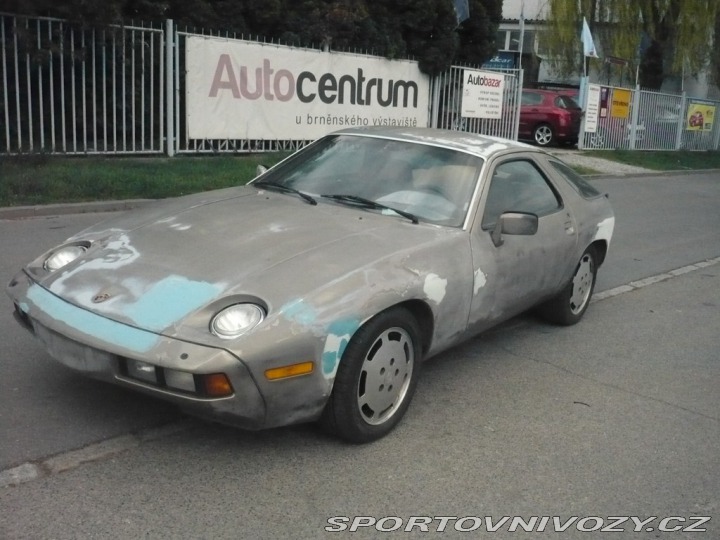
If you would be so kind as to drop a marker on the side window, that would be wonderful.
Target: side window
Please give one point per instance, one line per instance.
(566, 102)
(581, 185)
(518, 186)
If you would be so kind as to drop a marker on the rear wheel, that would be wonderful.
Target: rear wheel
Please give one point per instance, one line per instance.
(568, 307)
(376, 378)
(543, 135)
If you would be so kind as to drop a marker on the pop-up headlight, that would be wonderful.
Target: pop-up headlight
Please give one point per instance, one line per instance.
(64, 256)
(235, 320)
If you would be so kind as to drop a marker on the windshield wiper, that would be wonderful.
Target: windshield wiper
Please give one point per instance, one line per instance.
(368, 203)
(285, 189)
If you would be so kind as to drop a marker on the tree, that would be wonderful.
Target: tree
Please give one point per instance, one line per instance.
(478, 33)
(427, 27)
(426, 30)
(676, 34)
(101, 13)
(715, 60)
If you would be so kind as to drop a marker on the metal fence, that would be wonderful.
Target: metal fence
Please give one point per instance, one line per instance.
(76, 90)
(447, 98)
(446, 95)
(69, 89)
(656, 121)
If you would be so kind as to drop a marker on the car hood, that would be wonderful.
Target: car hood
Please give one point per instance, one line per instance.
(154, 268)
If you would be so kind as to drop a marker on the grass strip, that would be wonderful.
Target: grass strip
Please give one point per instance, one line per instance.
(36, 180)
(47, 180)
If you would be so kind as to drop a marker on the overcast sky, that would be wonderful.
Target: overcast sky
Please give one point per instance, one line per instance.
(533, 9)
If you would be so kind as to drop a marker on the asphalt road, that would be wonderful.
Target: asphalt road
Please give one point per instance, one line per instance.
(617, 416)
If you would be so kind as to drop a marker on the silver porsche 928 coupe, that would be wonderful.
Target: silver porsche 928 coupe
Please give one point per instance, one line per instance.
(315, 292)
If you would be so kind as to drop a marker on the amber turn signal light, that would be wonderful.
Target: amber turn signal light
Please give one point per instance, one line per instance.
(292, 370)
(216, 385)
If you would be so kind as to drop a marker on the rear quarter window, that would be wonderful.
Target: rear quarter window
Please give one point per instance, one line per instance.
(566, 102)
(582, 186)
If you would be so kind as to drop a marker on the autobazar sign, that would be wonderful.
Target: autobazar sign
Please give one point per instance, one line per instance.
(242, 90)
(482, 95)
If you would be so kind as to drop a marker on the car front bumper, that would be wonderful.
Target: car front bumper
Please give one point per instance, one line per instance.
(151, 363)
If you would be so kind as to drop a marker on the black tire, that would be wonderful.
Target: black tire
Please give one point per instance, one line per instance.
(568, 307)
(543, 135)
(387, 352)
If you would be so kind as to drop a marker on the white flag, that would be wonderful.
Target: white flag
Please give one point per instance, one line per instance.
(587, 41)
(462, 10)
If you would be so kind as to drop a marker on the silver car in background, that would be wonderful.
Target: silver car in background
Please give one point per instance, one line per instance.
(315, 292)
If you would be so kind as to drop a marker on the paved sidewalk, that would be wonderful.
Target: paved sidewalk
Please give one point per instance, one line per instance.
(605, 166)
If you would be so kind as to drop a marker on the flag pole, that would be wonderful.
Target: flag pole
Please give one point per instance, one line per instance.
(522, 33)
(583, 38)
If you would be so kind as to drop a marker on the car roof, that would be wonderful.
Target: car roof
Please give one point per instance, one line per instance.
(472, 143)
(559, 92)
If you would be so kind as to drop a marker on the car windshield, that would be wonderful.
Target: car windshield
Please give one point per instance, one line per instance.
(432, 183)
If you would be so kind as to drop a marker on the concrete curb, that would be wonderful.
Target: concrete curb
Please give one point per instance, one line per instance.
(72, 459)
(23, 212)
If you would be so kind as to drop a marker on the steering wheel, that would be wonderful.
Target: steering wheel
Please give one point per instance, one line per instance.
(433, 190)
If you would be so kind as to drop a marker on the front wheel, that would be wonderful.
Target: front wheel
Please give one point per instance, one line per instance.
(568, 307)
(376, 378)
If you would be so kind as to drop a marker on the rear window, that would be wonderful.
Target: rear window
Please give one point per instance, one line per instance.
(566, 102)
(581, 185)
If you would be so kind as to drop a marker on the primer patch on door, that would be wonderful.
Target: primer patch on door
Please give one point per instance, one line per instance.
(480, 281)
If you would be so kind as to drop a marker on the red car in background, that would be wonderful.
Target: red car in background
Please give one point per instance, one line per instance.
(549, 117)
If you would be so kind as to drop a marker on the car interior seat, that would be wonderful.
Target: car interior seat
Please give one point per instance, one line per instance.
(394, 175)
(452, 182)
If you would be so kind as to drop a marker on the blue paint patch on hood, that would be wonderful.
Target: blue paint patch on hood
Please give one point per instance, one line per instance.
(300, 312)
(91, 325)
(169, 301)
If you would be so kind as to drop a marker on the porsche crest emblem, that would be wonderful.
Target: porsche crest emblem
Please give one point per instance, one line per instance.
(99, 298)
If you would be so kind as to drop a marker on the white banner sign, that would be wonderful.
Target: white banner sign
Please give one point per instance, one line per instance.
(593, 108)
(482, 95)
(241, 90)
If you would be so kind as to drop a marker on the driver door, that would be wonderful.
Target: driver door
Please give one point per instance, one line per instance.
(524, 269)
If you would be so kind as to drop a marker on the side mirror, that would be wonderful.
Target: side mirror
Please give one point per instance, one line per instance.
(260, 169)
(515, 223)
